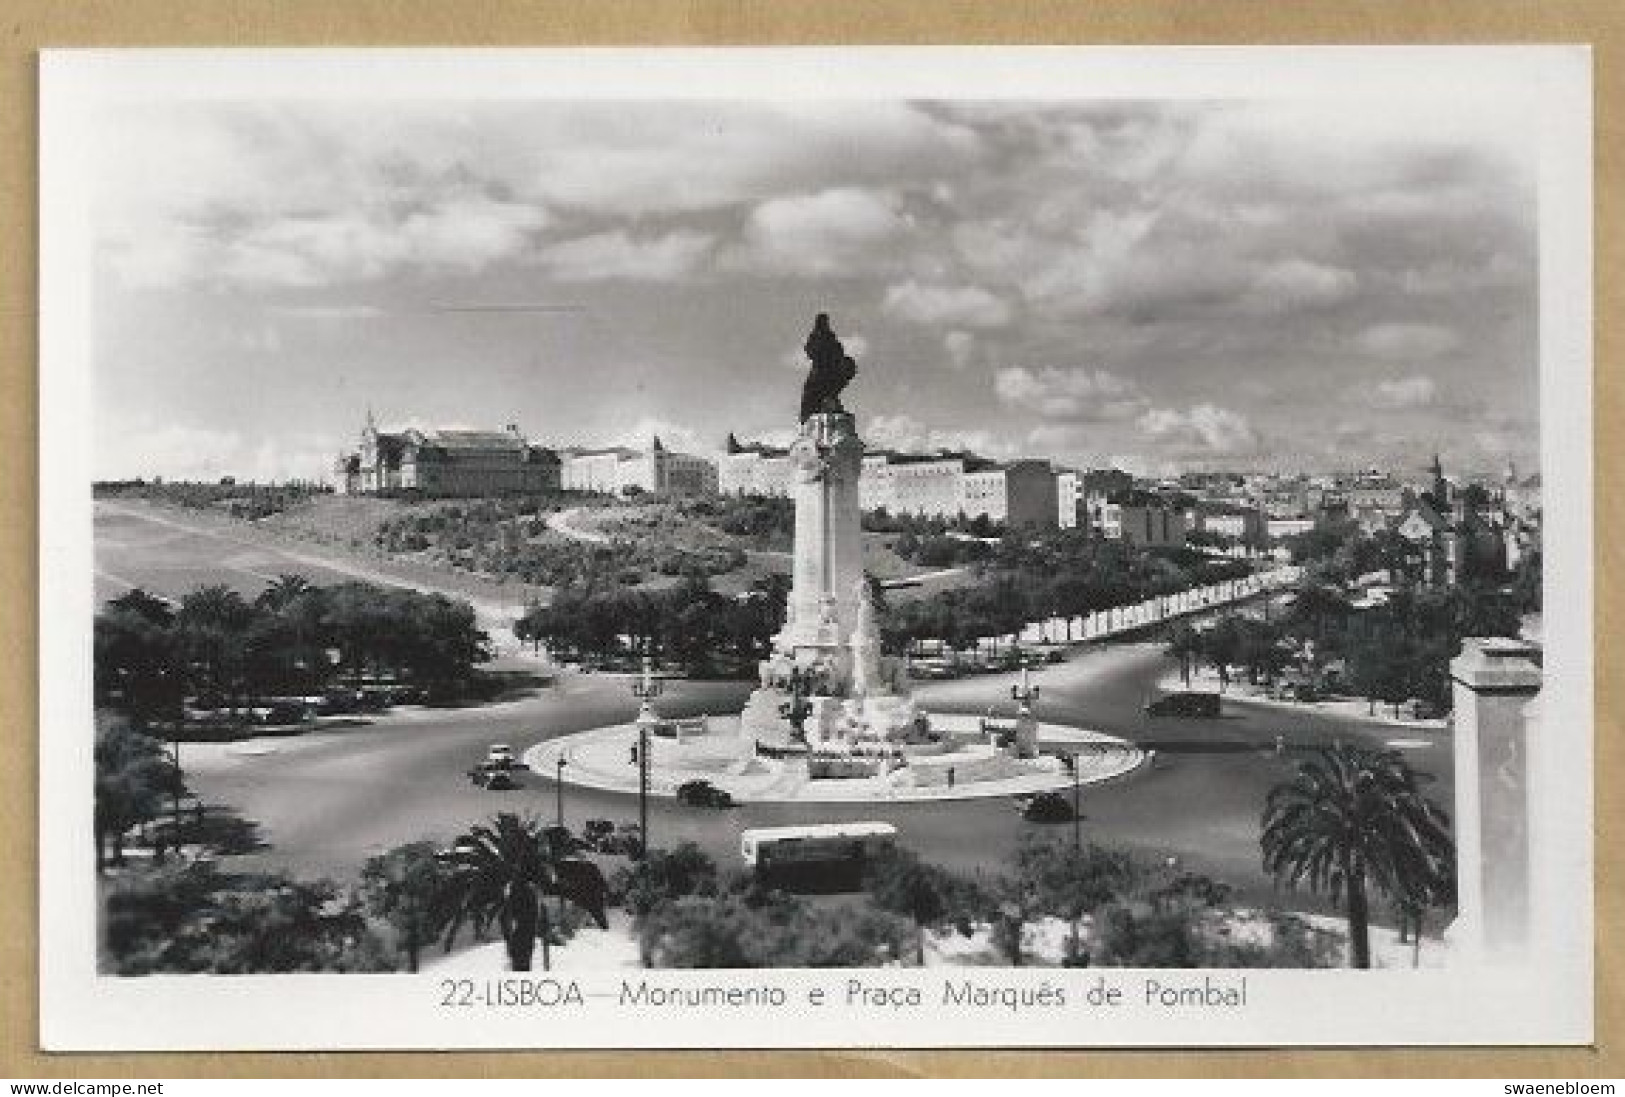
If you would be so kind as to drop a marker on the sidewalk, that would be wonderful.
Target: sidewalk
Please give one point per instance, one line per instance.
(1349, 708)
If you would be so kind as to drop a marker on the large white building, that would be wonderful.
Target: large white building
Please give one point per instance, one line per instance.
(656, 471)
(753, 470)
(1024, 494)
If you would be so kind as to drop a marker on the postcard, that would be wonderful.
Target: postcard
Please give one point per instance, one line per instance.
(840, 547)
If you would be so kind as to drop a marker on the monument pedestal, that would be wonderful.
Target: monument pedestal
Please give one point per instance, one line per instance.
(826, 665)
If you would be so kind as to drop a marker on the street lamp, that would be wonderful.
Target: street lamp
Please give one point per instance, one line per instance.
(1024, 693)
(179, 783)
(1077, 801)
(646, 690)
(558, 783)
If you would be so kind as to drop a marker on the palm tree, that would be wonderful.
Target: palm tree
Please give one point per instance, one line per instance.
(1353, 818)
(283, 591)
(501, 873)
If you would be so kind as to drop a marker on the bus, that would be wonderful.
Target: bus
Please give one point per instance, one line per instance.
(823, 844)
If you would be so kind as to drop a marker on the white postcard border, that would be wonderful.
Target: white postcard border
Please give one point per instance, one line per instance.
(1547, 1003)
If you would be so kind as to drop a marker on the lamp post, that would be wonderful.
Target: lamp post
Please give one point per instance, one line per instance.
(175, 796)
(1077, 801)
(1024, 692)
(558, 783)
(646, 689)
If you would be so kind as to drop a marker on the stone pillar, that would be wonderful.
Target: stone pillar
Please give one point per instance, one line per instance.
(826, 457)
(1494, 680)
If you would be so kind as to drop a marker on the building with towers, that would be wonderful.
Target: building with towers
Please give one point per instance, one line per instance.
(445, 462)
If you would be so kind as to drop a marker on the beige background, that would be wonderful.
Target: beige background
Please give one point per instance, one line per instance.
(29, 25)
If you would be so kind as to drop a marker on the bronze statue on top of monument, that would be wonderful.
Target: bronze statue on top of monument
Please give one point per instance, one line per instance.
(832, 370)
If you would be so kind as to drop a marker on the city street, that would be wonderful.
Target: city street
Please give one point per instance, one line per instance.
(327, 801)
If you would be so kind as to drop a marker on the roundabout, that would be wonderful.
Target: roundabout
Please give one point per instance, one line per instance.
(713, 749)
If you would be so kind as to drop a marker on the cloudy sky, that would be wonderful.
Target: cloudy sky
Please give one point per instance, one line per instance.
(1235, 284)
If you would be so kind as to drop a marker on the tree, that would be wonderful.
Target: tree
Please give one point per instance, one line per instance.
(408, 889)
(501, 873)
(1071, 881)
(899, 881)
(134, 776)
(1351, 819)
(1185, 645)
(283, 591)
(1222, 645)
(155, 611)
(194, 919)
(777, 931)
(664, 875)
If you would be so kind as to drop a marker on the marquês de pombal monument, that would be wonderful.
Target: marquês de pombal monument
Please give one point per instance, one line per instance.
(826, 687)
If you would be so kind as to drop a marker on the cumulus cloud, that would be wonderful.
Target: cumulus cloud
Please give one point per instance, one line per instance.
(683, 437)
(457, 232)
(906, 433)
(1068, 393)
(686, 157)
(1408, 341)
(607, 256)
(940, 306)
(831, 232)
(1257, 249)
(1203, 429)
(1405, 392)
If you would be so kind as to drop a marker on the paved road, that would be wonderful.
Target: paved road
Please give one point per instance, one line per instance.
(327, 801)
(563, 522)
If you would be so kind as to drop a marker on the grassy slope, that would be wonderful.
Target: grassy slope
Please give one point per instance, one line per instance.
(351, 522)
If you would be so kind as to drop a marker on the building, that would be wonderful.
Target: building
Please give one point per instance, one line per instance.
(752, 469)
(1067, 483)
(1374, 491)
(1151, 524)
(445, 463)
(654, 471)
(1032, 495)
(1100, 516)
(1025, 494)
(926, 485)
(1020, 495)
(594, 470)
(1242, 524)
(1105, 482)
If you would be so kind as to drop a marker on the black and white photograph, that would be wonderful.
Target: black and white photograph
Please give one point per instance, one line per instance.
(891, 547)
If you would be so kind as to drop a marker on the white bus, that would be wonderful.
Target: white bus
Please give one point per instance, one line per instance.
(766, 848)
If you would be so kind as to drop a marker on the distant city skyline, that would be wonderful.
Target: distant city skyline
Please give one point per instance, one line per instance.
(1160, 286)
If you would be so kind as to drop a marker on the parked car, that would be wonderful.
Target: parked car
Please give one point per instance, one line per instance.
(1203, 705)
(703, 794)
(500, 780)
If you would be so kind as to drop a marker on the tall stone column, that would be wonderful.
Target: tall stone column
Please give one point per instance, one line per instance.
(1494, 681)
(826, 460)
